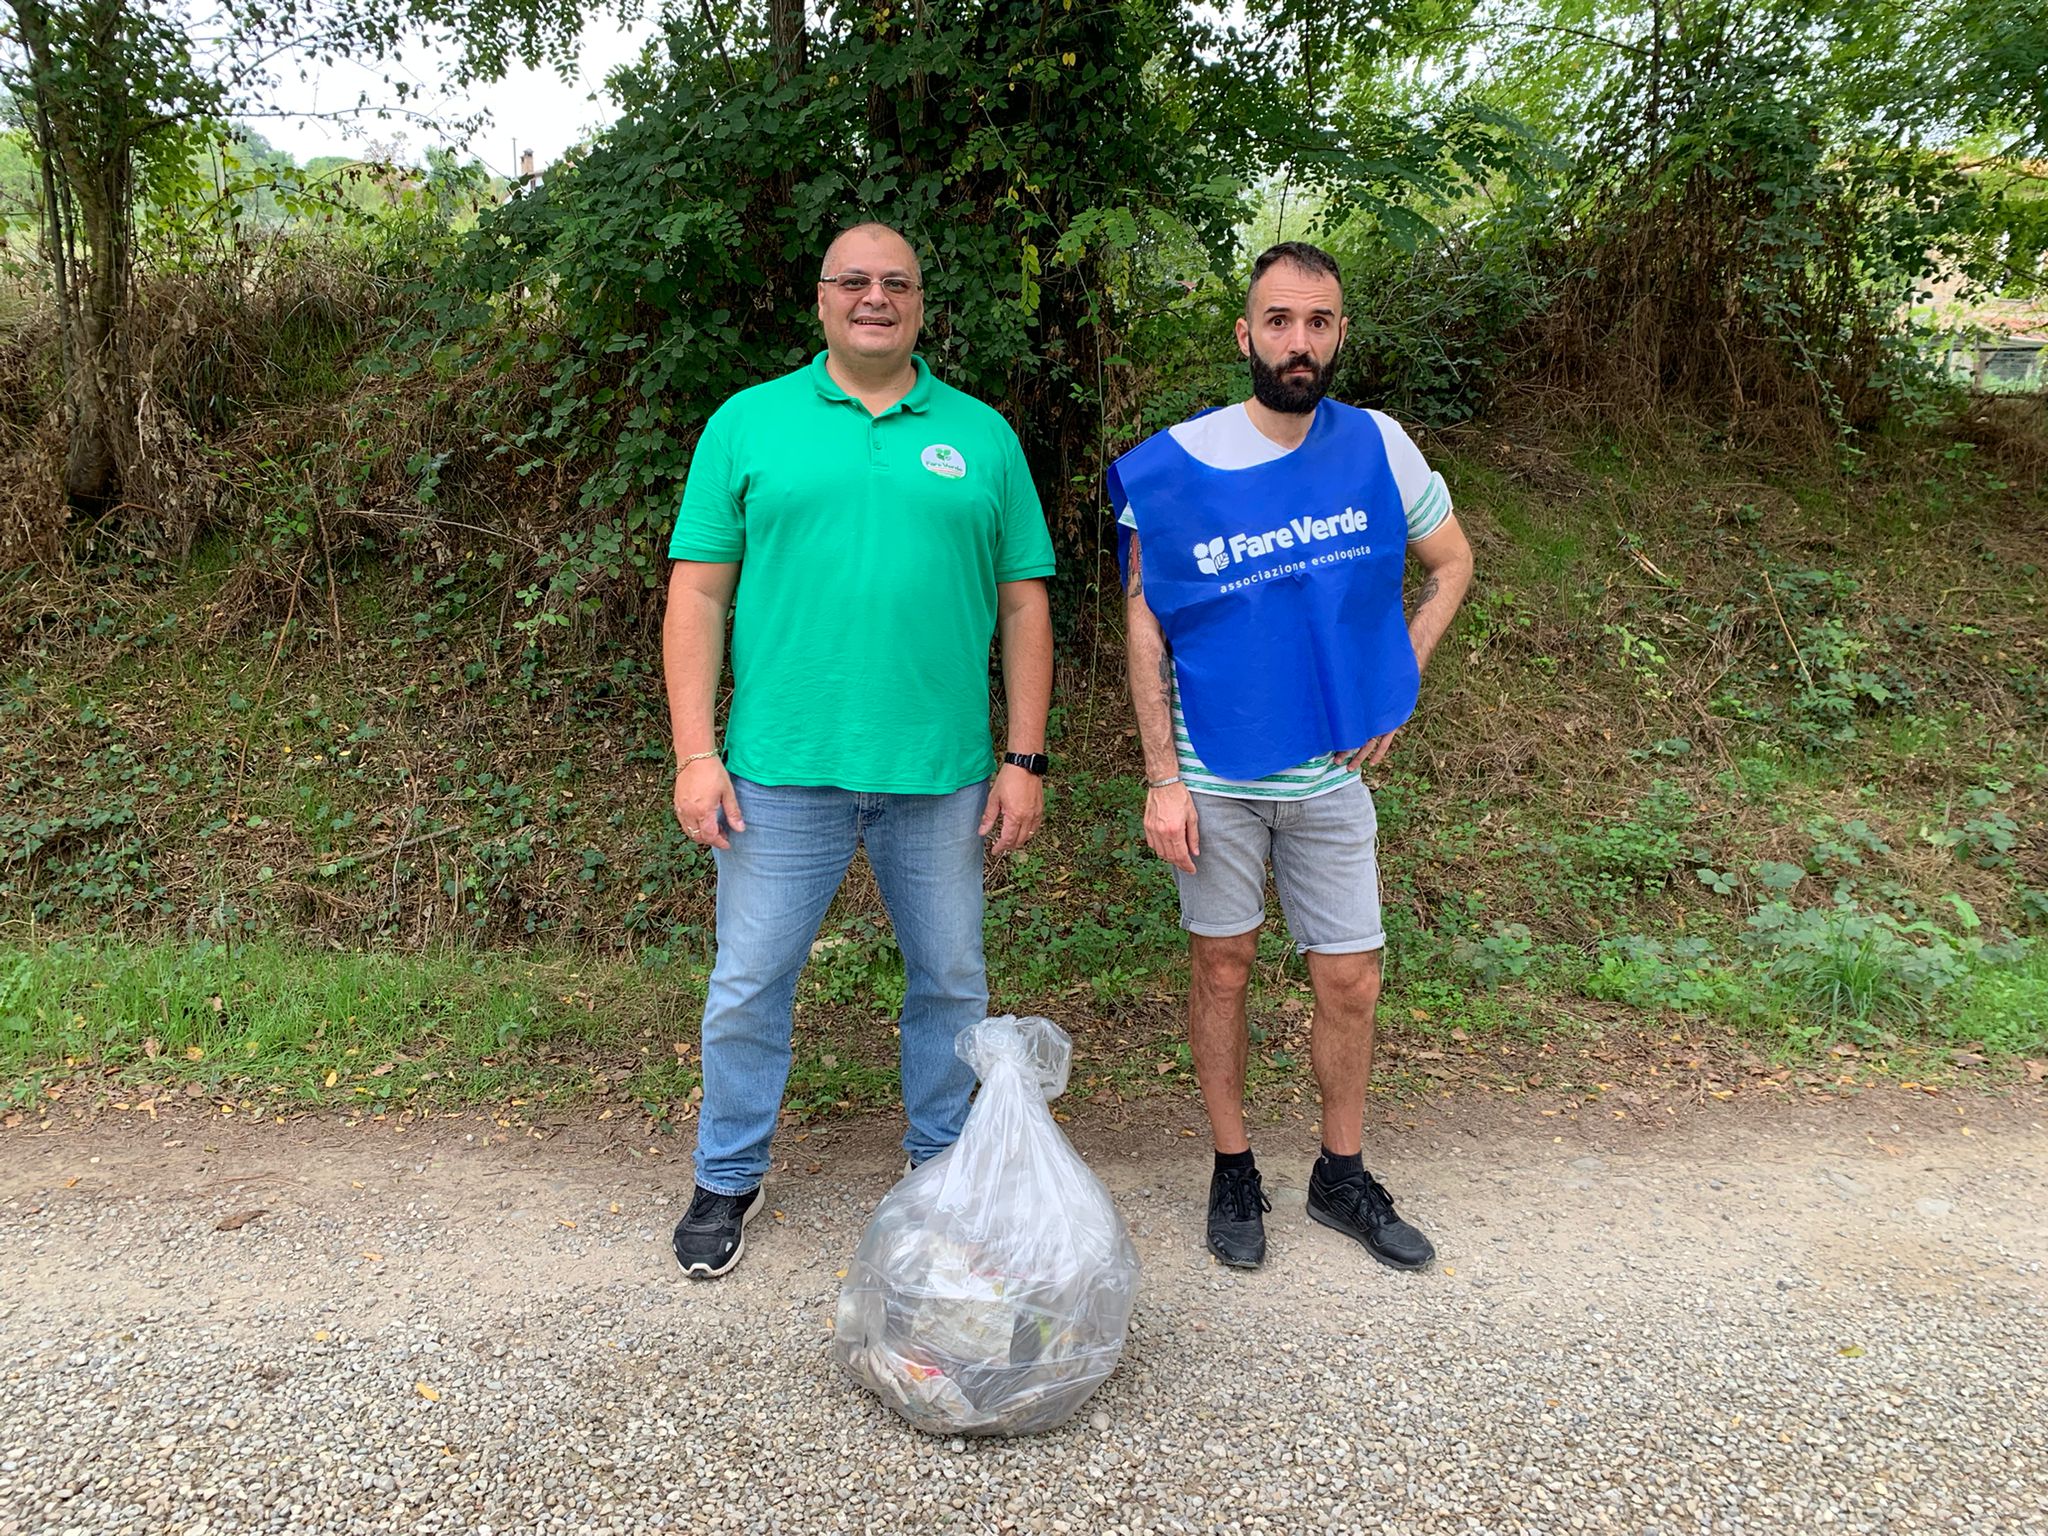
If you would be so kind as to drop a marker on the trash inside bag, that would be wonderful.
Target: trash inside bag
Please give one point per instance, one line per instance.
(992, 1288)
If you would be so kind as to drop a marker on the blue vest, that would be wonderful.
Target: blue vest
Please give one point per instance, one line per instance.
(1279, 591)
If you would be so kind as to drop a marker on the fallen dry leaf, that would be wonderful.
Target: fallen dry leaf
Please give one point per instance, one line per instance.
(374, 1258)
(332, 1078)
(565, 1221)
(194, 1053)
(429, 1393)
(239, 1220)
(152, 1048)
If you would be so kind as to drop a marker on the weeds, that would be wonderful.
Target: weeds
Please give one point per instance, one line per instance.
(1630, 783)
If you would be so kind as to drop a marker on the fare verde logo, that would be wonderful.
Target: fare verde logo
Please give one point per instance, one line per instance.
(1215, 555)
(944, 460)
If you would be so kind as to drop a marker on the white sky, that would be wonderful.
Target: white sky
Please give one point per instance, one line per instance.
(536, 109)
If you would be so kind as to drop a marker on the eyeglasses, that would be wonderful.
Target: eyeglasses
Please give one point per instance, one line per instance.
(854, 284)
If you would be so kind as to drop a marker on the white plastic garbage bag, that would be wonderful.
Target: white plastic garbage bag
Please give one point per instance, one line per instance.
(992, 1288)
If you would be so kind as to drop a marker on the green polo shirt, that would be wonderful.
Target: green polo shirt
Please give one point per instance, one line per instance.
(869, 550)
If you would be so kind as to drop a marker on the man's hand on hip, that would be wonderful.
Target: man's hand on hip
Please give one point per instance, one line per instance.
(1017, 800)
(1374, 752)
(1171, 827)
(703, 790)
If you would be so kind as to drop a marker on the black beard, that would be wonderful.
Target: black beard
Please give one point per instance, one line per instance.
(1287, 396)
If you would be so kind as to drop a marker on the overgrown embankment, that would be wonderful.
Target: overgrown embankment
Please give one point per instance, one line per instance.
(1721, 736)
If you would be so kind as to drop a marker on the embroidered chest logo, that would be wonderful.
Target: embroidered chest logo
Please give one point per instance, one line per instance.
(944, 461)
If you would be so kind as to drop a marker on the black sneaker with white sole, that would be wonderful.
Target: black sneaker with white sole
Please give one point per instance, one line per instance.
(1237, 1224)
(713, 1232)
(1361, 1208)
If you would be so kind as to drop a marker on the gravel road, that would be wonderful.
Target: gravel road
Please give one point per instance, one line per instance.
(1769, 1318)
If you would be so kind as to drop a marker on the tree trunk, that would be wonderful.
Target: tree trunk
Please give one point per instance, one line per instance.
(88, 187)
(788, 38)
(99, 382)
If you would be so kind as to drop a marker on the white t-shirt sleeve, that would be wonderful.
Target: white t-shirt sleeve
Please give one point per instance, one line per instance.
(1424, 496)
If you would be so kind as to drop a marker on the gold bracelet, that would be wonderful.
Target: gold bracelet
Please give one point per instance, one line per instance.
(694, 757)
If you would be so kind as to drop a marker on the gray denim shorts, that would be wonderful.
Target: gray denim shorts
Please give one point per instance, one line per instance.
(1325, 857)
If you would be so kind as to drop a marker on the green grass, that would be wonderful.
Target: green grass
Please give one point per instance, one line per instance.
(297, 1026)
(2004, 1011)
(271, 1024)
(1544, 559)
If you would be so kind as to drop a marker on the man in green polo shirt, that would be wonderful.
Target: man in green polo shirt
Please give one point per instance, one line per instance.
(869, 528)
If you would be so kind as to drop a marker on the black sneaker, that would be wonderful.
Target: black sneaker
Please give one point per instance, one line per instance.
(1237, 1229)
(713, 1233)
(1361, 1208)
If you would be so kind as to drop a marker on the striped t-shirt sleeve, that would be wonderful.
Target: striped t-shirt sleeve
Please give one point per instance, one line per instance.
(1429, 511)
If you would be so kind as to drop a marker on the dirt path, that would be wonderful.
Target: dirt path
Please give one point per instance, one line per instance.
(1763, 1317)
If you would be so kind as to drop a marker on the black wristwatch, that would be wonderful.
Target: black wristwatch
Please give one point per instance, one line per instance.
(1030, 762)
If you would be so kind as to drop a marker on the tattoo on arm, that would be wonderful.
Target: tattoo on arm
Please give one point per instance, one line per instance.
(1426, 592)
(1136, 585)
(1166, 681)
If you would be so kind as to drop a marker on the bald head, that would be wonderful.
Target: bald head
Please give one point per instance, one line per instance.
(878, 247)
(871, 330)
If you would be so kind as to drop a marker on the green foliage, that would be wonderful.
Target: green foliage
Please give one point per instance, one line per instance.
(1838, 971)
(1987, 835)
(1617, 861)
(1856, 970)
(1021, 146)
(1757, 190)
(1684, 974)
(855, 962)
(123, 105)
(2003, 1009)
(1506, 954)
(21, 195)
(1431, 325)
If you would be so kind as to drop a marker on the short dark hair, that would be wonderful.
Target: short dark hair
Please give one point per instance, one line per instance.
(1312, 259)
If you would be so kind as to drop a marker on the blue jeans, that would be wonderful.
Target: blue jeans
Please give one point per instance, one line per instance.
(774, 885)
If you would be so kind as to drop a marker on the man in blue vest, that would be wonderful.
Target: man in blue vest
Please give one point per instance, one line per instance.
(1263, 548)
